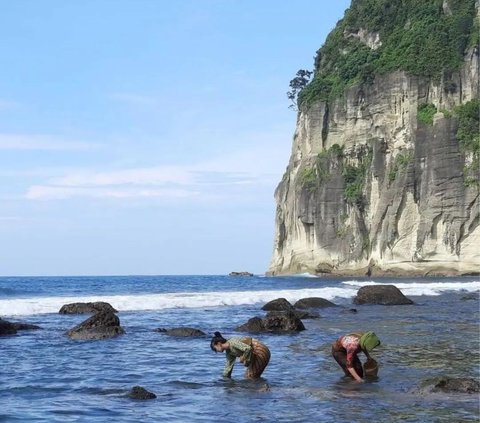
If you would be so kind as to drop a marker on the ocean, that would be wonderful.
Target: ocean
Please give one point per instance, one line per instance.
(46, 377)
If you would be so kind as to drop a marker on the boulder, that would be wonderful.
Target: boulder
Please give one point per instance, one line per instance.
(7, 328)
(102, 325)
(274, 321)
(447, 384)
(280, 304)
(183, 332)
(11, 328)
(255, 324)
(81, 308)
(25, 326)
(140, 393)
(381, 294)
(313, 302)
(304, 314)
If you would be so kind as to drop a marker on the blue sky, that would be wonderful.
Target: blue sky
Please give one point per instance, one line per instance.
(147, 136)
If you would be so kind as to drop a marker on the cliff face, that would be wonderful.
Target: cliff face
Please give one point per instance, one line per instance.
(371, 188)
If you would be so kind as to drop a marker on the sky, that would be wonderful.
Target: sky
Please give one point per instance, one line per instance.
(147, 137)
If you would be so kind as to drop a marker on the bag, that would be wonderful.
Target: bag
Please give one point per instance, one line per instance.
(368, 341)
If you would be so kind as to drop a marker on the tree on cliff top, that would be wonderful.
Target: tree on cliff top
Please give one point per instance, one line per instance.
(421, 37)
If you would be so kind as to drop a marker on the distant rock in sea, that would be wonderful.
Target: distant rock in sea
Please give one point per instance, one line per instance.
(182, 332)
(381, 294)
(81, 308)
(140, 393)
(240, 274)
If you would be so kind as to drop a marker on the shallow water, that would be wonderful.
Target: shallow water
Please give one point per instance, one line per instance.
(48, 378)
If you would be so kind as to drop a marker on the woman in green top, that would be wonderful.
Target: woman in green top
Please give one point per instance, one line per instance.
(252, 353)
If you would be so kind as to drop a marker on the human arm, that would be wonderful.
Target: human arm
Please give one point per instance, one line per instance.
(227, 371)
(355, 375)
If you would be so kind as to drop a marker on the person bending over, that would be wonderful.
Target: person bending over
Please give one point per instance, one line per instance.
(346, 348)
(252, 353)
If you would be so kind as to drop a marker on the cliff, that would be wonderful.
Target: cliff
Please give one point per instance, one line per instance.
(382, 178)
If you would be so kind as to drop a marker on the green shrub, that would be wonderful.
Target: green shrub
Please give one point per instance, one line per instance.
(425, 113)
(417, 36)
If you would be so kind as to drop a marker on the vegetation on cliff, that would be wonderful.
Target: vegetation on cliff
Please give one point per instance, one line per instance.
(422, 37)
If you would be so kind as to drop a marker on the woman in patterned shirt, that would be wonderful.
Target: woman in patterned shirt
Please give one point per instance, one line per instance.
(345, 351)
(252, 353)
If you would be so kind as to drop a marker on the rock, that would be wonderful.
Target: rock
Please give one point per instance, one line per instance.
(274, 321)
(450, 385)
(7, 328)
(255, 324)
(313, 302)
(303, 314)
(80, 308)
(11, 328)
(280, 304)
(471, 296)
(183, 332)
(25, 326)
(102, 325)
(381, 294)
(141, 393)
(240, 274)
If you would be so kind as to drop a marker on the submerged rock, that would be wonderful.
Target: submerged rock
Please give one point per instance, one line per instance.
(7, 328)
(140, 393)
(102, 325)
(274, 321)
(449, 385)
(81, 308)
(381, 294)
(313, 302)
(183, 332)
(11, 328)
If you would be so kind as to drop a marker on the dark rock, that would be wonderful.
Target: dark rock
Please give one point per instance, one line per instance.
(274, 321)
(240, 274)
(255, 324)
(7, 328)
(381, 294)
(283, 321)
(313, 302)
(184, 332)
(280, 304)
(303, 314)
(450, 385)
(471, 296)
(141, 393)
(25, 326)
(102, 325)
(81, 308)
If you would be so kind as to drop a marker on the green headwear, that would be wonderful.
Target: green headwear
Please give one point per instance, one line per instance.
(368, 341)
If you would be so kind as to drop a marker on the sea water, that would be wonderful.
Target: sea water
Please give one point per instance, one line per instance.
(46, 377)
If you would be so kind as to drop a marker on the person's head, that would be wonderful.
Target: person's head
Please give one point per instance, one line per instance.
(217, 342)
(369, 341)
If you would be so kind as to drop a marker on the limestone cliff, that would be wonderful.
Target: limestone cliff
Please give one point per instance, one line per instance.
(373, 187)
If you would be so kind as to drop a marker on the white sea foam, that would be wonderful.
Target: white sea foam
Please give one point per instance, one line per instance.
(423, 288)
(346, 290)
(28, 306)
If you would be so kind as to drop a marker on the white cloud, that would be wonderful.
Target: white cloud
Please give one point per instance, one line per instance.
(42, 142)
(46, 192)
